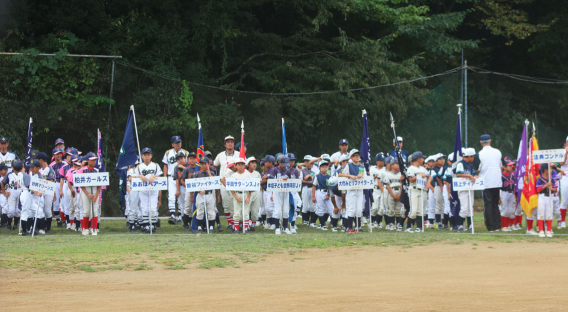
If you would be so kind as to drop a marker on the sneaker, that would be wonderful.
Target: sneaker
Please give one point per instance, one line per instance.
(252, 229)
(68, 226)
(380, 226)
(532, 232)
(506, 229)
(440, 226)
(94, 233)
(559, 225)
(172, 220)
(342, 230)
(219, 227)
(548, 233)
(318, 227)
(267, 226)
(178, 222)
(133, 229)
(563, 224)
(399, 228)
(305, 223)
(417, 230)
(429, 225)
(199, 230)
(363, 220)
(541, 234)
(293, 231)
(235, 231)
(409, 230)
(277, 232)
(334, 229)
(41, 232)
(392, 227)
(273, 227)
(497, 230)
(324, 228)
(85, 232)
(461, 229)
(313, 225)
(211, 229)
(287, 231)
(59, 224)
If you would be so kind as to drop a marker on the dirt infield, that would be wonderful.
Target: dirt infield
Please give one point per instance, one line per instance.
(471, 276)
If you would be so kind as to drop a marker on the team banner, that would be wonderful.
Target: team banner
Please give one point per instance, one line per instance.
(42, 186)
(465, 184)
(421, 182)
(159, 184)
(243, 184)
(280, 185)
(546, 156)
(202, 184)
(346, 184)
(90, 179)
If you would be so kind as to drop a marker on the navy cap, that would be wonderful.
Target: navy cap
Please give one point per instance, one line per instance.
(3, 166)
(208, 153)
(35, 163)
(191, 154)
(176, 139)
(269, 158)
(380, 157)
(180, 154)
(57, 150)
(388, 159)
(284, 161)
(485, 137)
(343, 141)
(4, 140)
(17, 165)
(417, 155)
(42, 156)
(59, 141)
(291, 156)
(34, 153)
(238, 145)
(90, 156)
(262, 162)
(146, 150)
(204, 160)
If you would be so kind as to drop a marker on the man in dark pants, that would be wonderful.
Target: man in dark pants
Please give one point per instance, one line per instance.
(490, 171)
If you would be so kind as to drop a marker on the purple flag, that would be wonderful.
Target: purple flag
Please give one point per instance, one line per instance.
(365, 153)
(521, 164)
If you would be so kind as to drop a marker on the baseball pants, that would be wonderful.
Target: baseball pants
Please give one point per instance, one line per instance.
(377, 194)
(3, 204)
(281, 205)
(446, 195)
(46, 202)
(431, 205)
(238, 208)
(556, 207)
(149, 206)
(323, 205)
(508, 204)
(56, 203)
(206, 203)
(394, 207)
(307, 204)
(415, 203)
(268, 205)
(65, 199)
(134, 206)
(13, 201)
(564, 192)
(466, 208)
(342, 212)
(172, 195)
(545, 208)
(181, 200)
(226, 200)
(27, 201)
(255, 205)
(439, 200)
(88, 205)
(354, 202)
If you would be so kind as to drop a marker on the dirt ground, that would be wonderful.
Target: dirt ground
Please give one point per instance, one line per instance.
(491, 277)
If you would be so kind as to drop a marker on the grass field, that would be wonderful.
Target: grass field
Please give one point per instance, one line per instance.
(66, 251)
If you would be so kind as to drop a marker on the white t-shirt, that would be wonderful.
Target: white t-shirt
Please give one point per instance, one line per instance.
(151, 169)
(222, 160)
(170, 159)
(490, 167)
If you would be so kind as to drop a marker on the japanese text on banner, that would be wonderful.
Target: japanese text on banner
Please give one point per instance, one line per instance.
(90, 179)
(546, 156)
(360, 184)
(159, 184)
(202, 184)
(279, 185)
(42, 186)
(243, 184)
(465, 184)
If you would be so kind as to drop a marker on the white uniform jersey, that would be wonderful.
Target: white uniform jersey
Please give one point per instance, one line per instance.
(47, 173)
(222, 160)
(413, 171)
(375, 173)
(130, 173)
(170, 159)
(393, 180)
(148, 170)
(7, 159)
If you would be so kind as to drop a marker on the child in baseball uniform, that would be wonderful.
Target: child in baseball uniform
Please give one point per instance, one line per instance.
(338, 198)
(73, 193)
(448, 217)
(416, 202)
(189, 208)
(241, 199)
(256, 196)
(308, 207)
(376, 217)
(169, 160)
(507, 200)
(11, 189)
(440, 160)
(354, 199)
(321, 194)
(392, 183)
(204, 200)
(280, 201)
(465, 170)
(545, 187)
(181, 164)
(147, 171)
(56, 165)
(556, 175)
(32, 203)
(47, 201)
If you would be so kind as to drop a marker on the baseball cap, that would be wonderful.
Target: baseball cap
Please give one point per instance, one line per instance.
(343, 141)
(343, 157)
(325, 156)
(180, 154)
(229, 138)
(440, 155)
(17, 165)
(229, 165)
(399, 138)
(509, 162)
(191, 154)
(57, 150)
(144, 150)
(269, 158)
(59, 141)
(90, 156)
(291, 156)
(35, 163)
(393, 161)
(238, 145)
(469, 152)
(323, 162)
(69, 150)
(42, 156)
(3, 167)
(430, 158)
(353, 152)
(380, 157)
(308, 157)
(285, 161)
(262, 162)
(417, 155)
(5, 140)
(208, 153)
(410, 159)
(204, 160)
(485, 137)
(240, 161)
(250, 159)
(451, 156)
(176, 139)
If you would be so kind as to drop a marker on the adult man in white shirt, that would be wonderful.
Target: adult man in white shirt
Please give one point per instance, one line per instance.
(221, 162)
(490, 171)
(343, 150)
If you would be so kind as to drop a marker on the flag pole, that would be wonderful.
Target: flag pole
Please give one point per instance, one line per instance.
(242, 149)
(136, 130)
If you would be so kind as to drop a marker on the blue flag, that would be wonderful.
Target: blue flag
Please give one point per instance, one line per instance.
(28, 157)
(454, 199)
(365, 153)
(127, 157)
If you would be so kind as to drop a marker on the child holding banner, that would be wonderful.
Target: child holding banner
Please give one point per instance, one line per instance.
(239, 197)
(354, 199)
(321, 195)
(465, 170)
(147, 171)
(90, 197)
(416, 202)
(205, 200)
(507, 201)
(256, 195)
(545, 187)
(46, 202)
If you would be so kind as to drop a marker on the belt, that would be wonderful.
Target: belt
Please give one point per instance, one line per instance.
(506, 191)
(321, 190)
(395, 188)
(57, 180)
(377, 188)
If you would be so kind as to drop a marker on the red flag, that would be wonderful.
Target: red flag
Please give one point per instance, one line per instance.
(529, 198)
(242, 149)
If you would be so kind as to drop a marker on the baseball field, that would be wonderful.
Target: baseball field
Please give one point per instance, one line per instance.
(315, 270)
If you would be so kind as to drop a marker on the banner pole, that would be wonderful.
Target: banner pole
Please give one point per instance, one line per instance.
(205, 212)
(149, 209)
(422, 204)
(243, 216)
(471, 209)
(35, 218)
